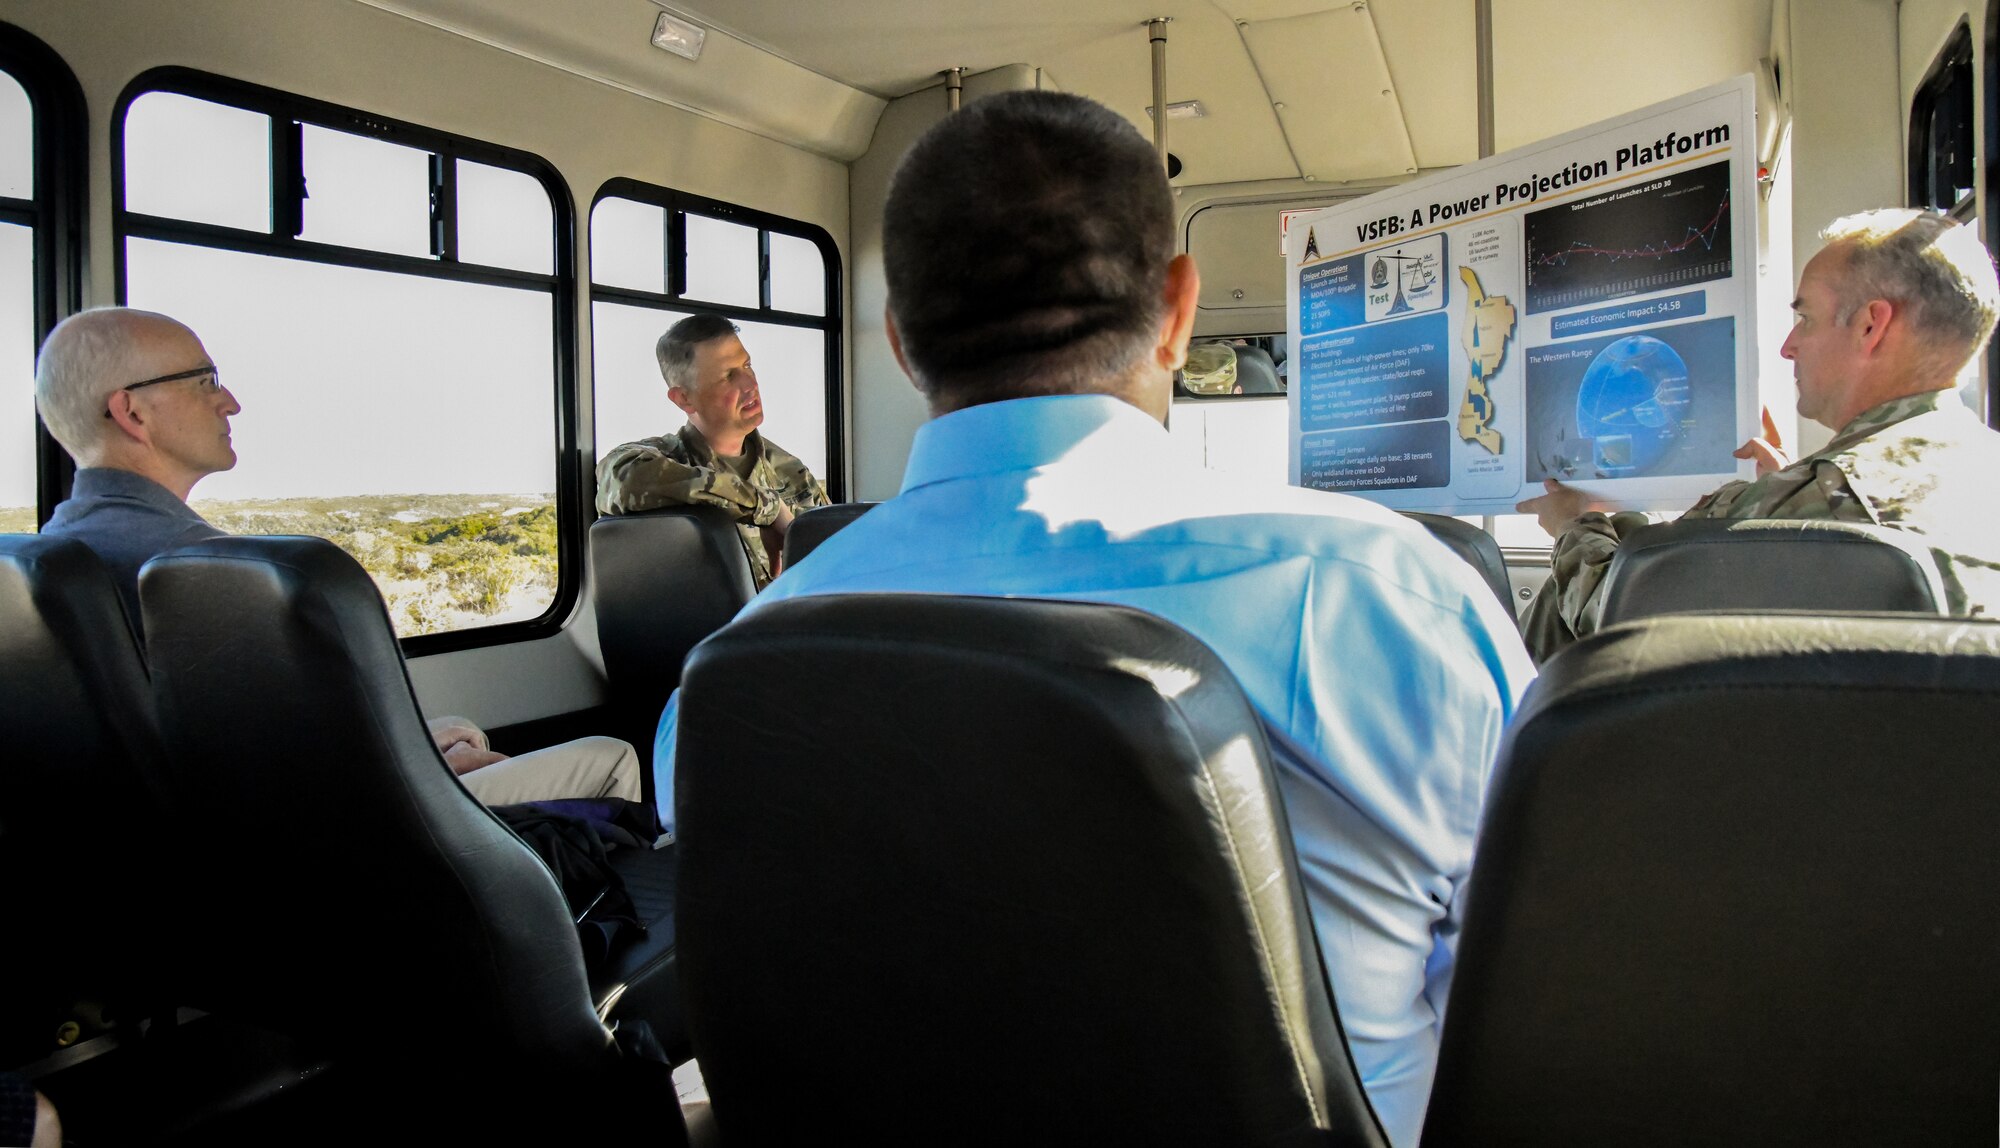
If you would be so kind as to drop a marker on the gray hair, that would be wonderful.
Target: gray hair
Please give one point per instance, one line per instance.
(675, 350)
(1922, 262)
(84, 360)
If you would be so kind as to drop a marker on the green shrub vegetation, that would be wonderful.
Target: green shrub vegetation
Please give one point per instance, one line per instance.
(442, 561)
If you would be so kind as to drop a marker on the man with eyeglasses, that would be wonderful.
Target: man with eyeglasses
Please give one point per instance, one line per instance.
(135, 399)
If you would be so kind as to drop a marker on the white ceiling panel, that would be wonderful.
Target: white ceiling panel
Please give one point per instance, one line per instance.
(1561, 65)
(816, 73)
(1432, 50)
(1338, 103)
(610, 40)
(893, 47)
(1238, 140)
(1255, 10)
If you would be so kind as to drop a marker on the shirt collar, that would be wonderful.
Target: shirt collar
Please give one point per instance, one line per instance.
(1023, 434)
(109, 482)
(1890, 413)
(698, 446)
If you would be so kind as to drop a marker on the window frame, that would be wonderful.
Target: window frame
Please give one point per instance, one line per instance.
(1957, 52)
(678, 204)
(1989, 142)
(1182, 395)
(59, 147)
(287, 112)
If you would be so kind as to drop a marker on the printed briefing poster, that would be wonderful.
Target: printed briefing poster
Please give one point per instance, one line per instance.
(1580, 309)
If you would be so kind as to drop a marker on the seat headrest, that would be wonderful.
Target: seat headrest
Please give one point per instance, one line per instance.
(1727, 860)
(1475, 546)
(995, 820)
(289, 717)
(817, 525)
(1255, 372)
(70, 668)
(663, 581)
(1768, 564)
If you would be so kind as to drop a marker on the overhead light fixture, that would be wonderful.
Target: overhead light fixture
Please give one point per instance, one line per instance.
(1184, 110)
(673, 34)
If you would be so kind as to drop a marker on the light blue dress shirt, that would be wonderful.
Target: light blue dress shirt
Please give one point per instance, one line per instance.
(1381, 654)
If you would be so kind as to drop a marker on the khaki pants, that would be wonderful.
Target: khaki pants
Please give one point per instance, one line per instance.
(587, 767)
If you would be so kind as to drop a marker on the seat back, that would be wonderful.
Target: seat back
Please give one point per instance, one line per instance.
(817, 525)
(662, 581)
(1255, 372)
(1019, 873)
(1759, 564)
(82, 826)
(1732, 888)
(358, 895)
(1476, 547)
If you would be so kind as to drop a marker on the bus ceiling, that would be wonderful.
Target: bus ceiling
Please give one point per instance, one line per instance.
(1306, 90)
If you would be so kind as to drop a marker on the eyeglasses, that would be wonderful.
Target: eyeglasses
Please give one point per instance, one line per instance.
(212, 385)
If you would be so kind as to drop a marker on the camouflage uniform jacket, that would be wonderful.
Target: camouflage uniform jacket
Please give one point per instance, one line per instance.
(1921, 463)
(681, 469)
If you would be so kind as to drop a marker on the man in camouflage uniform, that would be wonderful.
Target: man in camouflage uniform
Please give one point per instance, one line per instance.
(718, 458)
(1887, 314)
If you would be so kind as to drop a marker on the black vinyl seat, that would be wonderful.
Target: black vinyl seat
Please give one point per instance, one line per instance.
(1255, 373)
(1768, 564)
(661, 582)
(1020, 875)
(1475, 546)
(83, 827)
(360, 897)
(1733, 887)
(817, 525)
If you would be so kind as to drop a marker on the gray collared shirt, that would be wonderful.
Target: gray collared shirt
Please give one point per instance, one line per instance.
(127, 519)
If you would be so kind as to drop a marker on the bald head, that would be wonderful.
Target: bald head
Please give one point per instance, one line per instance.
(92, 355)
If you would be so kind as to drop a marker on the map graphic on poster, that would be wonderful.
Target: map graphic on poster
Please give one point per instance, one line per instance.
(1489, 324)
(1578, 309)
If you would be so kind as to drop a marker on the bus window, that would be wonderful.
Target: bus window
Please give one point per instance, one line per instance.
(1941, 161)
(1941, 136)
(657, 256)
(17, 304)
(41, 149)
(1237, 365)
(391, 306)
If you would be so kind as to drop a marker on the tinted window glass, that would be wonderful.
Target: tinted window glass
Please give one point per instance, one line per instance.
(504, 219)
(723, 272)
(798, 275)
(366, 193)
(17, 140)
(17, 378)
(408, 413)
(628, 245)
(721, 262)
(197, 160)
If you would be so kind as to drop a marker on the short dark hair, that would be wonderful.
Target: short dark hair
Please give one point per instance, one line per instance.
(1026, 242)
(675, 350)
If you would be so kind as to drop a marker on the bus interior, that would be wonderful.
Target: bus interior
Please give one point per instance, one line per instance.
(432, 242)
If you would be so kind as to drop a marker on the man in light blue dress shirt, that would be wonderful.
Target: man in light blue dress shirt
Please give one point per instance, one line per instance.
(1036, 301)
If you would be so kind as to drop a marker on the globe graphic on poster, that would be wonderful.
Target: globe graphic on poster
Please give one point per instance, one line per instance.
(1631, 404)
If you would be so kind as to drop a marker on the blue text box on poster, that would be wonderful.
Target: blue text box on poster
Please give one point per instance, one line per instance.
(1330, 296)
(1386, 373)
(1413, 456)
